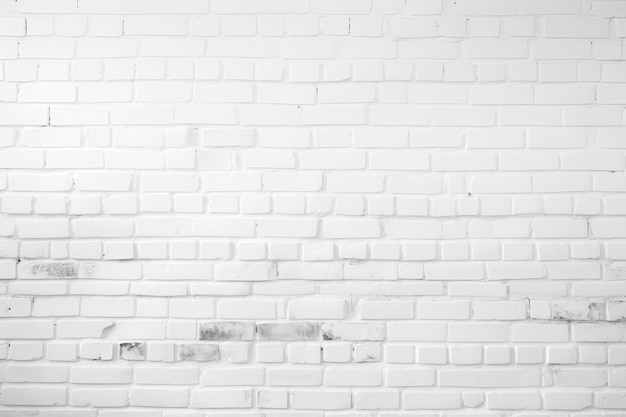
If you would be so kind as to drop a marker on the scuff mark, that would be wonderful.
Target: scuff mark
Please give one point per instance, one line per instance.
(89, 270)
(54, 270)
(227, 331)
(133, 351)
(288, 331)
(199, 352)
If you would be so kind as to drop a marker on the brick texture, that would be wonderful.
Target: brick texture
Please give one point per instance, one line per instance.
(314, 208)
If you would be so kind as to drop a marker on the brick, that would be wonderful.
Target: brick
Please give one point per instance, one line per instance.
(81, 116)
(386, 310)
(232, 182)
(36, 374)
(477, 332)
(567, 400)
(212, 398)
(39, 47)
(100, 375)
(13, 26)
(492, 48)
(288, 331)
(159, 397)
(234, 376)
(491, 378)
(57, 228)
(25, 115)
(352, 331)
(337, 228)
(559, 49)
(428, 49)
(199, 352)
(102, 397)
(316, 400)
(213, 181)
(122, 7)
(227, 331)
(575, 27)
(44, 396)
(246, 309)
(431, 400)
(513, 401)
(11, 329)
(425, 332)
(304, 309)
(539, 333)
(287, 227)
(443, 310)
(245, 271)
(394, 115)
(224, 227)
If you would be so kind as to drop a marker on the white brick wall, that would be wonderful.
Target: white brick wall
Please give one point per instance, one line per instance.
(314, 208)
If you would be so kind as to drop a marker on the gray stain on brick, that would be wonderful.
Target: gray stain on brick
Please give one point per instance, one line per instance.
(227, 330)
(288, 331)
(328, 335)
(594, 311)
(133, 351)
(199, 352)
(89, 270)
(353, 331)
(55, 270)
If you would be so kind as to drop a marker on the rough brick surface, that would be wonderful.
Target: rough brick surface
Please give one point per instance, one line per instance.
(314, 208)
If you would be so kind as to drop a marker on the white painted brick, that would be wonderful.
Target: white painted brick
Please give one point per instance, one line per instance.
(499, 310)
(224, 227)
(443, 310)
(47, 307)
(386, 310)
(394, 115)
(609, 400)
(431, 332)
(516, 270)
(339, 228)
(23, 351)
(159, 397)
(501, 184)
(11, 329)
(415, 184)
(31, 396)
(543, 332)
(254, 309)
(344, 115)
(102, 397)
(431, 400)
(514, 401)
(233, 376)
(100, 375)
(36, 374)
(569, 400)
(316, 400)
(478, 289)
(342, 377)
(521, 377)
(212, 398)
(304, 309)
(454, 271)
(463, 162)
(565, 94)
(43, 229)
(477, 332)
(226, 163)
(287, 227)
